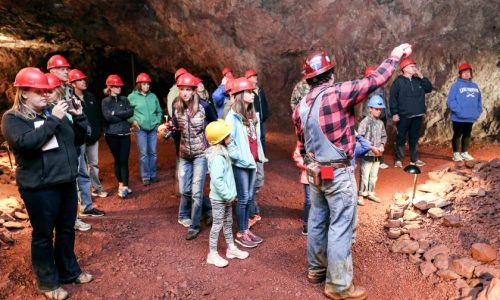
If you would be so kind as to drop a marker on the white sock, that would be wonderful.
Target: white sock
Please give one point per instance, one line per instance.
(232, 247)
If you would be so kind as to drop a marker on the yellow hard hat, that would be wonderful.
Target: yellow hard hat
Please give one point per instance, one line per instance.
(216, 131)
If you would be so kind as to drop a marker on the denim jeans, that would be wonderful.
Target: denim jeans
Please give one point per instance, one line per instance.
(245, 181)
(330, 227)
(191, 175)
(83, 182)
(368, 177)
(50, 208)
(259, 182)
(146, 145)
(92, 156)
(307, 203)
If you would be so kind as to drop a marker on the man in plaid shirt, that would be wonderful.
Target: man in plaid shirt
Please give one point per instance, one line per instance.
(324, 121)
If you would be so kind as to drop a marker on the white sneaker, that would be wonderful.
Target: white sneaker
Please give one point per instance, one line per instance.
(457, 156)
(216, 260)
(466, 156)
(184, 222)
(82, 226)
(122, 192)
(100, 194)
(398, 164)
(383, 166)
(236, 253)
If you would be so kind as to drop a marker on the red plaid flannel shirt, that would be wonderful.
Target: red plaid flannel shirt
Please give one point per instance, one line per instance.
(336, 113)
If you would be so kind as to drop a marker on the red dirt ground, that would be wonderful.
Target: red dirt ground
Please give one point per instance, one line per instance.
(138, 250)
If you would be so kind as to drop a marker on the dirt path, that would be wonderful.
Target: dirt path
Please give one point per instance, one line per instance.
(138, 250)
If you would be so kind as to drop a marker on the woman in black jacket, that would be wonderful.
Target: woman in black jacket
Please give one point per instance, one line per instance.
(116, 110)
(44, 142)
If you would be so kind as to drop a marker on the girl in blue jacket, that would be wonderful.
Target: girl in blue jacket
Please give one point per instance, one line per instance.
(465, 103)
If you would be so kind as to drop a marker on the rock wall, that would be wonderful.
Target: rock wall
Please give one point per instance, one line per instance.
(273, 37)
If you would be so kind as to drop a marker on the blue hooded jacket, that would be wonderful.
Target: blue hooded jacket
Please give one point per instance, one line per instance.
(464, 101)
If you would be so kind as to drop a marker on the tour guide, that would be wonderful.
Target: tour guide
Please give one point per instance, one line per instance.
(324, 121)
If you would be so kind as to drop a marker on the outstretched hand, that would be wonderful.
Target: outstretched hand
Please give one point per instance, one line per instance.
(402, 50)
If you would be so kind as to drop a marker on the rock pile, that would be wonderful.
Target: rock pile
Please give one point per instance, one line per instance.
(459, 200)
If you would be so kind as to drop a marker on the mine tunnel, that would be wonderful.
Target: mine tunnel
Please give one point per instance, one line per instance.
(431, 231)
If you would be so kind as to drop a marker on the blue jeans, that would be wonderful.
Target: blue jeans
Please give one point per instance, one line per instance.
(191, 174)
(146, 145)
(307, 203)
(330, 227)
(83, 182)
(245, 181)
(92, 158)
(259, 182)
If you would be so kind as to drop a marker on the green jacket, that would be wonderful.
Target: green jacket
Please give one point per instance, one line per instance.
(222, 185)
(147, 110)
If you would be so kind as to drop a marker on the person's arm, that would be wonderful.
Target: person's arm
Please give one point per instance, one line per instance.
(216, 168)
(426, 85)
(480, 102)
(132, 118)
(158, 111)
(80, 127)
(299, 131)
(362, 127)
(210, 115)
(127, 110)
(383, 136)
(108, 113)
(298, 159)
(362, 147)
(218, 96)
(394, 98)
(452, 99)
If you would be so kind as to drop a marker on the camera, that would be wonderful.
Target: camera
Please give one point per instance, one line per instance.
(70, 98)
(168, 134)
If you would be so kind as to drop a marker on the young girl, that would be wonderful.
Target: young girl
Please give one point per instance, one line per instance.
(245, 151)
(299, 162)
(222, 192)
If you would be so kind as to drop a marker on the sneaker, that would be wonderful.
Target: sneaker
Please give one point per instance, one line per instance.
(122, 192)
(184, 222)
(82, 226)
(155, 179)
(84, 278)
(251, 222)
(191, 235)
(419, 163)
(398, 164)
(57, 294)
(466, 156)
(457, 156)
(383, 166)
(361, 201)
(245, 240)
(146, 182)
(255, 238)
(236, 253)
(215, 259)
(94, 212)
(374, 198)
(304, 230)
(101, 194)
(358, 293)
(129, 190)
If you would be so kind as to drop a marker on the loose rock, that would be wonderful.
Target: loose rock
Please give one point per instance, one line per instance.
(441, 261)
(464, 267)
(392, 224)
(394, 233)
(418, 234)
(21, 215)
(431, 253)
(483, 252)
(435, 213)
(491, 292)
(13, 225)
(410, 215)
(448, 275)
(486, 272)
(451, 221)
(427, 268)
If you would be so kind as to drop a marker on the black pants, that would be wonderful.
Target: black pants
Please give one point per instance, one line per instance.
(461, 136)
(54, 262)
(411, 127)
(120, 148)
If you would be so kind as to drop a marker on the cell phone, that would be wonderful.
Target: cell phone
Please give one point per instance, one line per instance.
(70, 98)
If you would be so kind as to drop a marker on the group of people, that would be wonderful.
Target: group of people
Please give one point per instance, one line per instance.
(55, 124)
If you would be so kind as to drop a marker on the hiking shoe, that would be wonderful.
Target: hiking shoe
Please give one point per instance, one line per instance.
(184, 222)
(457, 156)
(191, 235)
(82, 226)
(256, 239)
(146, 182)
(215, 259)
(352, 293)
(236, 253)
(304, 230)
(398, 164)
(383, 166)
(361, 201)
(245, 240)
(418, 163)
(100, 194)
(94, 212)
(84, 278)
(154, 179)
(316, 277)
(374, 198)
(57, 294)
(466, 156)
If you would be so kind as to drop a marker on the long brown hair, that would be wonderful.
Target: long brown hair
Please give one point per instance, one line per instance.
(193, 103)
(239, 108)
(19, 106)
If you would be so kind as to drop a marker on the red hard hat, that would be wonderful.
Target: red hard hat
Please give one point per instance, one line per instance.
(464, 66)
(53, 80)
(75, 75)
(241, 84)
(31, 77)
(187, 80)
(114, 80)
(229, 85)
(370, 70)
(197, 80)
(317, 62)
(143, 77)
(179, 72)
(225, 71)
(57, 61)
(406, 62)
(250, 72)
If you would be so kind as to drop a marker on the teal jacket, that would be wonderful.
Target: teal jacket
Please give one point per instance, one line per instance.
(147, 110)
(222, 185)
(239, 148)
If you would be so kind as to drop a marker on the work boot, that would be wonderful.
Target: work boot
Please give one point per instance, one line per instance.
(316, 277)
(352, 293)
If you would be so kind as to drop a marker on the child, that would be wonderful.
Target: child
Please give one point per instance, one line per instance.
(299, 161)
(372, 128)
(222, 192)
